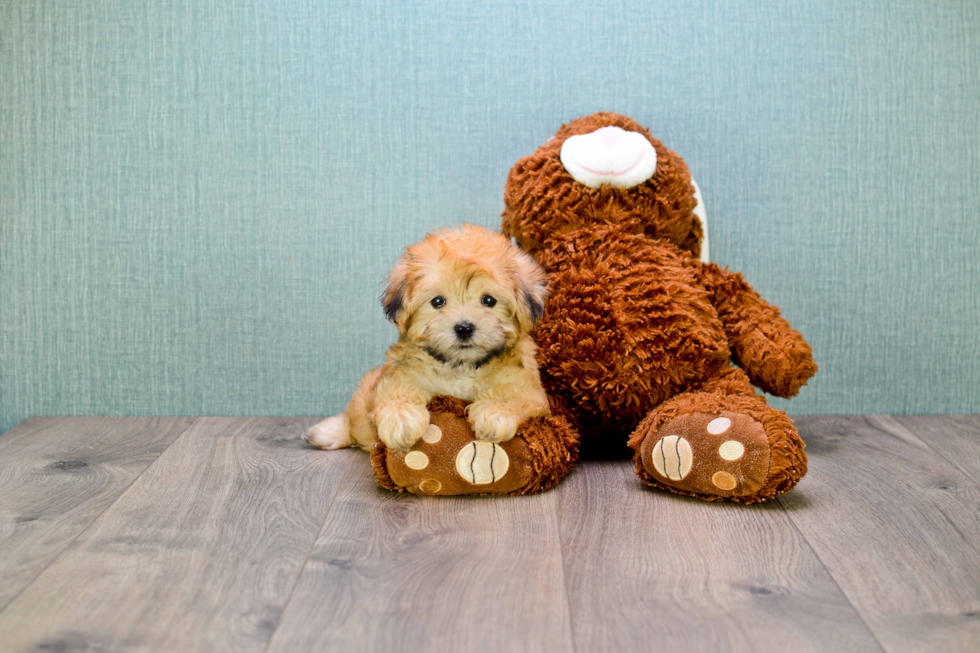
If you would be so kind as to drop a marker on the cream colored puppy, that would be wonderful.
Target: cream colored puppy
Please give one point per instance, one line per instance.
(463, 301)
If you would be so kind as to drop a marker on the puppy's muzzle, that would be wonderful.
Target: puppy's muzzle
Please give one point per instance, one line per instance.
(464, 330)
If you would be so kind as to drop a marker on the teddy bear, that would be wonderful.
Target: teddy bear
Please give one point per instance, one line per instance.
(641, 344)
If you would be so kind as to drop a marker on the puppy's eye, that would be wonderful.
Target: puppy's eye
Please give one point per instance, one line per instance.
(489, 301)
(438, 302)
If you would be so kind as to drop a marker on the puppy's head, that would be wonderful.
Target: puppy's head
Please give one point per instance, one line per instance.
(464, 295)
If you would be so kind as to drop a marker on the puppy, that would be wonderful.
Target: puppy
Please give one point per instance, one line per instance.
(463, 301)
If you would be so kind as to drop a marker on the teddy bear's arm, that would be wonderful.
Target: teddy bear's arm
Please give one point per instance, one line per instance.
(774, 354)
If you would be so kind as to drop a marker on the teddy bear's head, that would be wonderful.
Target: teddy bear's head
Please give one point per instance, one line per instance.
(599, 172)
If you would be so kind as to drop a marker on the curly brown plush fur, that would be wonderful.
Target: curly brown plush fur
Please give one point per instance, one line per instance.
(637, 329)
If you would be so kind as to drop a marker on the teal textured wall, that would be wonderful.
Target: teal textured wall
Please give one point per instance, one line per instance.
(198, 199)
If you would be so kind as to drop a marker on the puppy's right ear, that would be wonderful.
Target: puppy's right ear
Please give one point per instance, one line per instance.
(393, 298)
(532, 289)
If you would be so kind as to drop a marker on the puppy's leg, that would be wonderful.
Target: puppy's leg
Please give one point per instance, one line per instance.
(497, 418)
(514, 396)
(493, 422)
(352, 427)
(359, 409)
(400, 412)
(401, 424)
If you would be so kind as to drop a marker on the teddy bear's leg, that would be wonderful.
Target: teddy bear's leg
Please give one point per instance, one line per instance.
(448, 460)
(721, 442)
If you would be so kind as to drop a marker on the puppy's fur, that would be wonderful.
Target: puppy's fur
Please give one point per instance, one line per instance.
(463, 301)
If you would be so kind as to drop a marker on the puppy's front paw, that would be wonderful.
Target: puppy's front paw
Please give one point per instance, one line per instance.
(492, 423)
(401, 424)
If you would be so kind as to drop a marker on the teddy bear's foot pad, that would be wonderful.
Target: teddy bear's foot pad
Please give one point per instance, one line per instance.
(724, 454)
(448, 461)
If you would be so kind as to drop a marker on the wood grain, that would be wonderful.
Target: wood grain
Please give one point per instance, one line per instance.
(897, 527)
(955, 438)
(58, 474)
(200, 553)
(216, 544)
(397, 572)
(648, 570)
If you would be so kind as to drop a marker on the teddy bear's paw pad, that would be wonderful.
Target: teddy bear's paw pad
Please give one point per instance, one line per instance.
(482, 463)
(448, 461)
(723, 454)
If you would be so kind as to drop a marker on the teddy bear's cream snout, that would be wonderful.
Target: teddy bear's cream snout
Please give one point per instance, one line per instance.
(609, 156)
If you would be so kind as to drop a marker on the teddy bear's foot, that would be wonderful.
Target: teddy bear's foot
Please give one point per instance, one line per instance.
(721, 454)
(724, 454)
(448, 460)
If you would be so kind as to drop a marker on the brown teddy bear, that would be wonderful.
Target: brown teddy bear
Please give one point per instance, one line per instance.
(638, 336)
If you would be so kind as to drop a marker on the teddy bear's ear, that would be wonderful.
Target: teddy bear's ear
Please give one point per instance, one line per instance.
(393, 299)
(532, 290)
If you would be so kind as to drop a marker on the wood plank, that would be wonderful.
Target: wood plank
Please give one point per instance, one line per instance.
(899, 529)
(397, 572)
(956, 438)
(58, 474)
(200, 553)
(649, 570)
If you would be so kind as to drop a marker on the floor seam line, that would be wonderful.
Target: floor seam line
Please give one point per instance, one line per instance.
(97, 517)
(564, 579)
(309, 553)
(936, 452)
(792, 522)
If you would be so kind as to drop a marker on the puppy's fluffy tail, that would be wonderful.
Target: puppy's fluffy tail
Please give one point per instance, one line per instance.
(331, 433)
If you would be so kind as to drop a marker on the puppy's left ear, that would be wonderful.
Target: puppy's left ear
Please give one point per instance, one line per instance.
(532, 290)
(394, 297)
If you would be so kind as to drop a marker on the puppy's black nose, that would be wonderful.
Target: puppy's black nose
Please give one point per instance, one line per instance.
(464, 330)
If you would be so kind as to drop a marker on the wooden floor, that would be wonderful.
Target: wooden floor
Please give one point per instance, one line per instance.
(221, 534)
